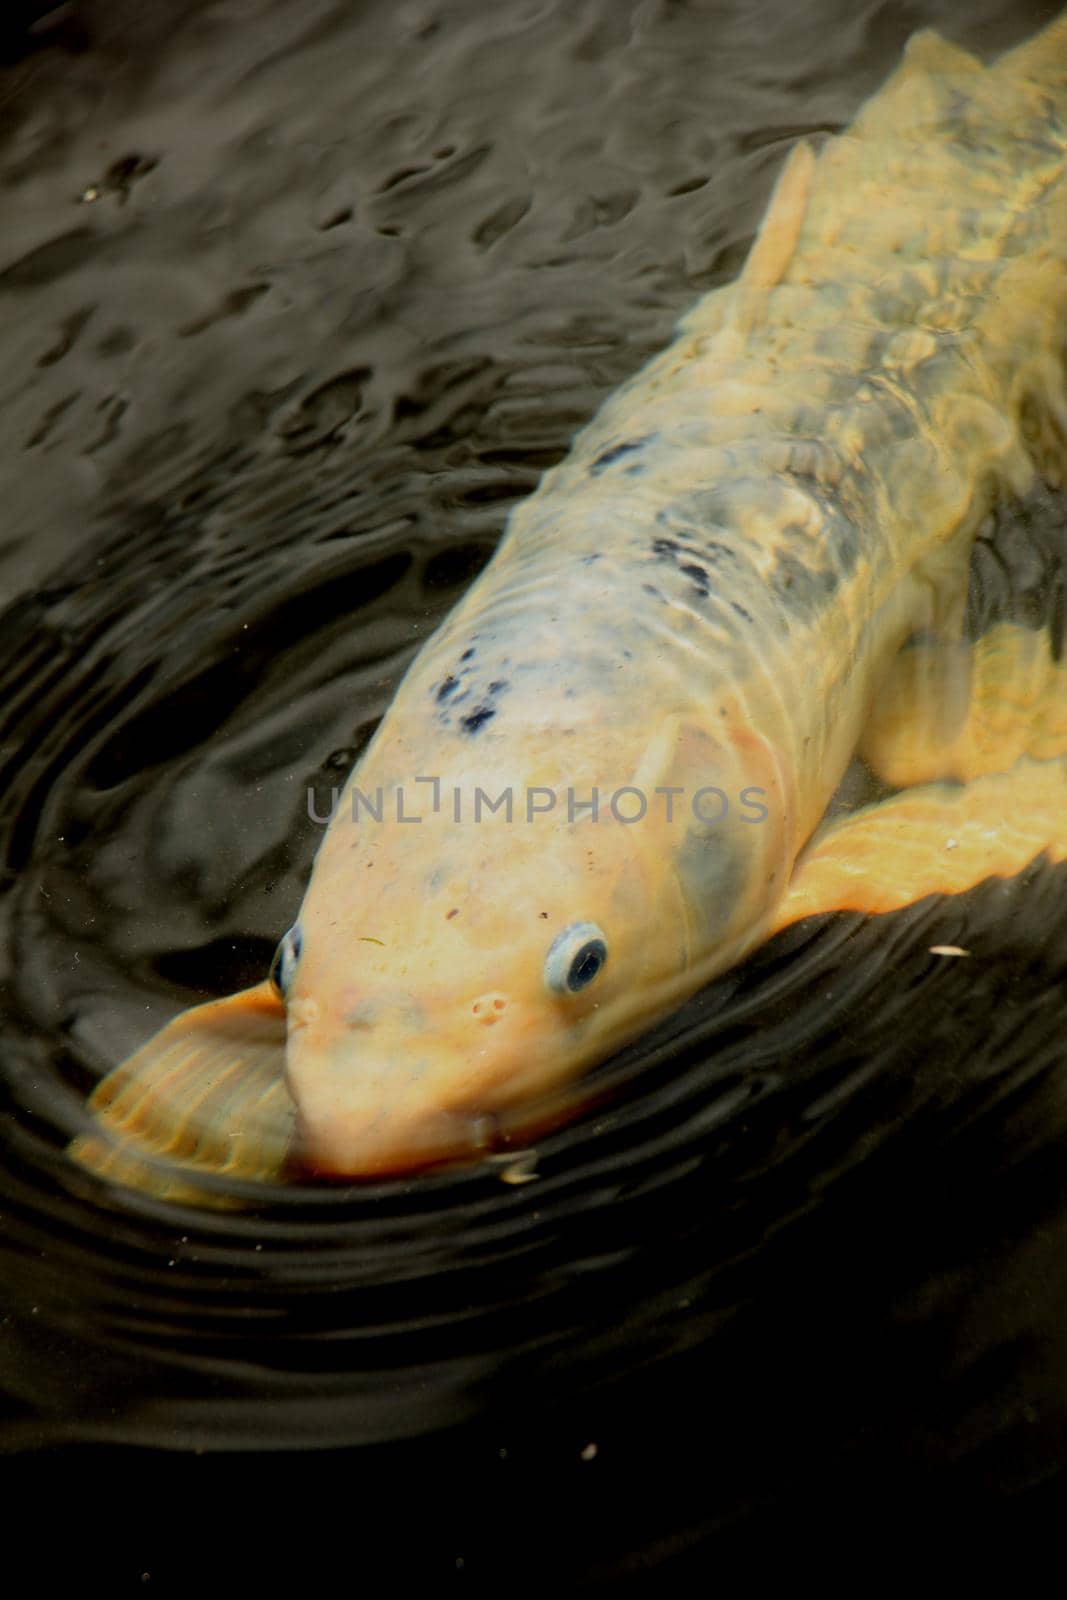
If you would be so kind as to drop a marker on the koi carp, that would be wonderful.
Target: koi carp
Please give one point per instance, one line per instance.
(750, 571)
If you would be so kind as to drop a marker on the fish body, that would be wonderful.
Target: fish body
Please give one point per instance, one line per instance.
(598, 781)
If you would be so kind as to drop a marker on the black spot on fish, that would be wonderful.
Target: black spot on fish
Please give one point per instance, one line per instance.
(845, 542)
(587, 561)
(688, 520)
(476, 719)
(651, 589)
(698, 575)
(741, 612)
(495, 688)
(1019, 567)
(616, 452)
(467, 654)
(449, 686)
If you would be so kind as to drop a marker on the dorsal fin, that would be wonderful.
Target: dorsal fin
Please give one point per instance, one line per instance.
(776, 241)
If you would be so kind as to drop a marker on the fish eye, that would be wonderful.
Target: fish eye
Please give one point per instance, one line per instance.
(285, 959)
(575, 958)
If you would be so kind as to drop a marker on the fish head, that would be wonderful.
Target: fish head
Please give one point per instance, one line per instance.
(457, 973)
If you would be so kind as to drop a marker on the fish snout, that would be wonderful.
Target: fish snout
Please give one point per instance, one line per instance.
(383, 1096)
(382, 1141)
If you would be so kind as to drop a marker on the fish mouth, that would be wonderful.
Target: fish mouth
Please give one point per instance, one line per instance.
(382, 1144)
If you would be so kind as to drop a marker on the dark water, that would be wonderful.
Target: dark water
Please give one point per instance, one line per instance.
(296, 300)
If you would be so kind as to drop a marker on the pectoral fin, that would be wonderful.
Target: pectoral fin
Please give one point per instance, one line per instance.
(935, 839)
(961, 710)
(206, 1094)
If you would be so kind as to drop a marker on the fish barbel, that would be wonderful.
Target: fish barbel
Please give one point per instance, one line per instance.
(605, 778)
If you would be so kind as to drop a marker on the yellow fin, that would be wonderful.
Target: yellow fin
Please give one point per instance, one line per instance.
(776, 242)
(936, 839)
(729, 313)
(205, 1094)
(959, 711)
(780, 228)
